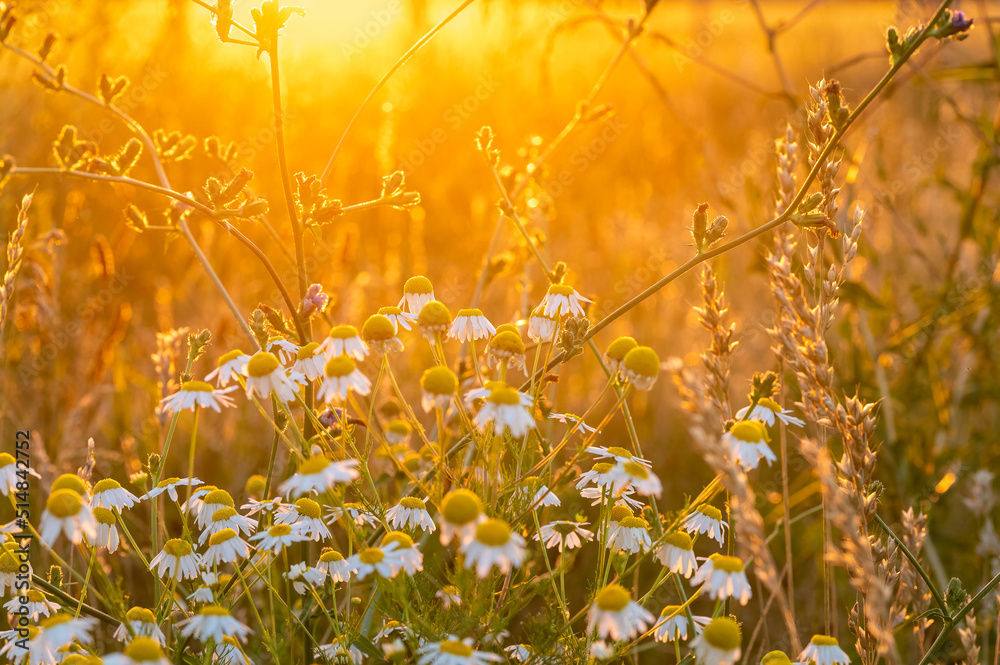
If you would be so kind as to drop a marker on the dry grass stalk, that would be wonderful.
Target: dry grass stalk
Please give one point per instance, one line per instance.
(15, 252)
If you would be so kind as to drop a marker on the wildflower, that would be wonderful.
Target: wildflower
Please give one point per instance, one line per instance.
(618, 513)
(405, 552)
(566, 418)
(227, 518)
(213, 623)
(505, 408)
(638, 476)
(397, 432)
(177, 560)
(541, 498)
(615, 614)
(232, 366)
(494, 544)
(410, 513)
(309, 361)
(204, 503)
(15, 648)
(824, 650)
(747, 442)
(434, 319)
(197, 393)
(142, 623)
(107, 530)
(277, 538)
(398, 318)
(541, 326)
(375, 560)
(9, 474)
(767, 411)
(332, 563)
(229, 652)
(453, 652)
(642, 366)
(71, 481)
(604, 475)
(110, 494)
(314, 301)
(417, 292)
(300, 574)
(602, 651)
(719, 642)
(31, 604)
(562, 300)
(615, 354)
(335, 652)
(282, 348)
(379, 334)
(677, 553)
(319, 474)
(673, 624)
(265, 375)
(65, 512)
(340, 376)
(631, 535)
(449, 595)
(706, 519)
(506, 347)
(56, 633)
(724, 577)
(225, 547)
(618, 454)
(203, 594)
(461, 513)
(438, 384)
(356, 511)
(600, 495)
(564, 534)
(777, 658)
(470, 324)
(254, 506)
(518, 652)
(304, 516)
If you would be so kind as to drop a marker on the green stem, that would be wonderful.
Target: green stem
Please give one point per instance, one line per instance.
(938, 598)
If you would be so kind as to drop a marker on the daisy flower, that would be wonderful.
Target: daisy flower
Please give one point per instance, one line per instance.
(398, 318)
(15, 648)
(213, 623)
(719, 642)
(300, 575)
(518, 652)
(10, 569)
(564, 534)
(265, 375)
(417, 292)
(461, 513)
(566, 418)
(225, 547)
(282, 348)
(66, 513)
(767, 411)
(777, 658)
(541, 327)
(410, 513)
(615, 614)
(506, 347)
(824, 650)
(641, 367)
(631, 535)
(454, 652)
(177, 560)
(397, 432)
(380, 335)
(229, 652)
(356, 511)
(677, 553)
(449, 595)
(309, 361)
(494, 544)
(139, 622)
(747, 442)
(434, 320)
(438, 385)
(305, 517)
(110, 494)
(470, 324)
(170, 485)
(197, 393)
(340, 376)
(56, 633)
(205, 502)
(277, 538)
(724, 577)
(504, 408)
(673, 624)
(9, 474)
(602, 651)
(344, 340)
(231, 367)
(639, 477)
(254, 506)
(601, 496)
(539, 499)
(618, 454)
(140, 651)
(618, 513)
(319, 474)
(562, 300)
(604, 475)
(227, 518)
(706, 519)
(616, 352)
(335, 652)
(405, 552)
(202, 595)
(71, 481)
(378, 560)
(332, 563)
(31, 604)
(107, 530)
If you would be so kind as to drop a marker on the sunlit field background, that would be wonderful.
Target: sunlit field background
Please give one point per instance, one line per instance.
(693, 112)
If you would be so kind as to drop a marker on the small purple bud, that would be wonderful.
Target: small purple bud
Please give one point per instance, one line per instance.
(959, 21)
(315, 300)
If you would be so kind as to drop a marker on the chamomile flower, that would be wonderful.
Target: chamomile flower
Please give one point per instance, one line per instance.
(254, 506)
(567, 418)
(15, 647)
(360, 515)
(170, 485)
(778, 658)
(265, 375)
(177, 560)
(71, 481)
(637, 476)
(541, 327)
(397, 432)
(305, 516)
(309, 362)
(8, 474)
(461, 513)
(614, 614)
(213, 623)
(505, 409)
(319, 474)
(494, 544)
(227, 518)
(438, 385)
(449, 595)
(31, 604)
(110, 494)
(641, 367)
(139, 622)
(336, 652)
(718, 643)
(673, 624)
(618, 513)
(454, 652)
(434, 320)
(107, 530)
(605, 475)
(225, 547)
(506, 347)
(197, 393)
(616, 352)
(203, 503)
(202, 595)
(56, 633)
(398, 318)
(747, 442)
(677, 553)
(767, 411)
(616, 454)
(417, 292)
(229, 652)
(282, 348)
(378, 560)
(10, 571)
(404, 552)
(379, 334)
(341, 376)
(631, 535)
(67, 513)
(470, 324)
(562, 300)
(300, 575)
(232, 366)
(601, 495)
(542, 497)
(565, 535)
(518, 652)
(824, 650)
(724, 577)
(332, 563)
(706, 519)
(277, 538)
(344, 340)
(140, 651)
(410, 513)
(602, 651)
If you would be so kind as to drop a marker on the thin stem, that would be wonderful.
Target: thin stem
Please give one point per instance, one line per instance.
(938, 598)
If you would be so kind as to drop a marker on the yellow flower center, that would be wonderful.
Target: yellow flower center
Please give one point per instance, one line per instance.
(433, 315)
(470, 312)
(643, 361)
(824, 641)
(104, 516)
(314, 464)
(232, 355)
(168, 481)
(620, 347)
(750, 431)
(728, 564)
(255, 485)
(680, 540)
(769, 403)
(711, 512)
(602, 467)
(776, 658)
(371, 555)
(391, 310)
(140, 614)
(724, 634)
(221, 537)
(618, 451)
(144, 650)
(279, 530)
(218, 497)
(461, 507)
(329, 556)
(307, 351)
(339, 366)
(64, 503)
(620, 512)
(8, 564)
(308, 508)
(214, 611)
(632, 523)
(413, 503)
(262, 364)
(494, 533)
(612, 598)
(418, 285)
(399, 427)
(55, 620)
(508, 327)
(104, 485)
(455, 647)
(636, 470)
(670, 610)
(564, 528)
(6, 459)
(439, 381)
(561, 290)
(196, 387)
(403, 541)
(223, 514)
(378, 328)
(177, 547)
(451, 590)
(343, 332)
(505, 395)
(70, 481)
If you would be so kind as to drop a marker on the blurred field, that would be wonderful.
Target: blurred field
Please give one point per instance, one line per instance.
(697, 106)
